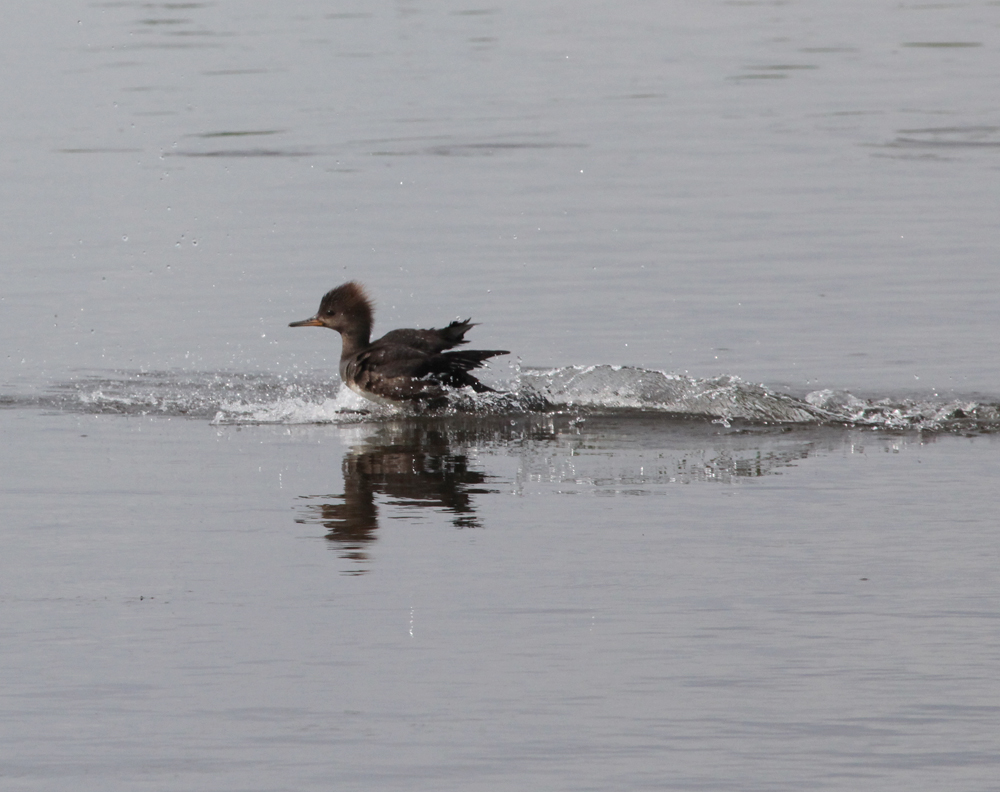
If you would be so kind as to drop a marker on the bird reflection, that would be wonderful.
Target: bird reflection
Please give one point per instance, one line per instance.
(411, 465)
(431, 463)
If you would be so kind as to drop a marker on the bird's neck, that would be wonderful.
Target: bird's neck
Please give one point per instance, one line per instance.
(355, 339)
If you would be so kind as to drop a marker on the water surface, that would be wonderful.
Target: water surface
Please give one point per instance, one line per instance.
(730, 523)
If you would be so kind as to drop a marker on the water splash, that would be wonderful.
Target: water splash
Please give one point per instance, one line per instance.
(931, 414)
(234, 398)
(725, 398)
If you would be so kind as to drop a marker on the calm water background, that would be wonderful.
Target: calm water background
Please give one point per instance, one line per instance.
(802, 194)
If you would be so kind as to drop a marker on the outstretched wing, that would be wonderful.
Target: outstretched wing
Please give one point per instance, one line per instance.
(452, 368)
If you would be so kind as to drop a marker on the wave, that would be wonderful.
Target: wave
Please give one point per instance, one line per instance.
(728, 399)
(240, 398)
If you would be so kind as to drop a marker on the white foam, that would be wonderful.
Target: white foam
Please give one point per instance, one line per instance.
(345, 407)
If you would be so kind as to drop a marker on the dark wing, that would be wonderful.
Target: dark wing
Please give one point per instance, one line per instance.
(404, 373)
(430, 341)
(452, 368)
(389, 371)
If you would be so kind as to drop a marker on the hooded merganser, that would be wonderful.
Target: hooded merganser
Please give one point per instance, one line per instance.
(403, 365)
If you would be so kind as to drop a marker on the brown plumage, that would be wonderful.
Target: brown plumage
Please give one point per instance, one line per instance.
(403, 365)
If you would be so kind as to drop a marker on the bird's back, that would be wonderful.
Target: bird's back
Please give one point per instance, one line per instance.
(430, 341)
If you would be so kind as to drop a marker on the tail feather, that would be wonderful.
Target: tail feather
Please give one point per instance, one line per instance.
(455, 332)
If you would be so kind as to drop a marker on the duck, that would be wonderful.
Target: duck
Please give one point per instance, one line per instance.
(403, 367)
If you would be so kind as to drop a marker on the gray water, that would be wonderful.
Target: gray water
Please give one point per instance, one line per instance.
(731, 523)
